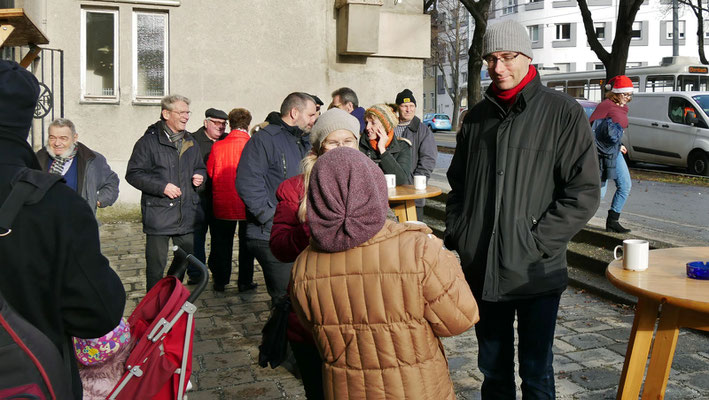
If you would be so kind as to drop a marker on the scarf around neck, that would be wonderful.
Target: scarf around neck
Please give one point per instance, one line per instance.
(374, 142)
(59, 162)
(510, 95)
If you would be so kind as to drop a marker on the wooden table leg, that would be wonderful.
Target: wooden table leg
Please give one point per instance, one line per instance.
(411, 210)
(5, 32)
(663, 350)
(638, 348)
(400, 211)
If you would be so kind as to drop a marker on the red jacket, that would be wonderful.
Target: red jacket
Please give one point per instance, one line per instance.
(289, 237)
(221, 167)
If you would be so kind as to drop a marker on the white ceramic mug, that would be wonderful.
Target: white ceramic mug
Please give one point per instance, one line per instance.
(391, 180)
(635, 254)
(420, 182)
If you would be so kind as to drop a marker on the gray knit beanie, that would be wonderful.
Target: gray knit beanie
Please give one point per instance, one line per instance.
(330, 121)
(507, 36)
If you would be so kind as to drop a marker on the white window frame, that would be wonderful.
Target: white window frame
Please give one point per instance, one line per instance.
(134, 64)
(510, 7)
(530, 30)
(116, 57)
(682, 29)
(560, 31)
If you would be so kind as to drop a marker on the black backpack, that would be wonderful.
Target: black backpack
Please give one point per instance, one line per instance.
(31, 366)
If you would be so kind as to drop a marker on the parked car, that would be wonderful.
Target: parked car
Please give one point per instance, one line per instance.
(588, 106)
(669, 128)
(437, 122)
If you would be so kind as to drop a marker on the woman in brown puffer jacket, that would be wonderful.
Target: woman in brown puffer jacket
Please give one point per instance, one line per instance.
(376, 294)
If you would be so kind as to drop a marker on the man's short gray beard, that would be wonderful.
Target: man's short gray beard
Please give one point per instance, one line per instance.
(53, 155)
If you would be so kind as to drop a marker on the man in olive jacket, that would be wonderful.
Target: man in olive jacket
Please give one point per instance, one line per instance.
(167, 167)
(524, 180)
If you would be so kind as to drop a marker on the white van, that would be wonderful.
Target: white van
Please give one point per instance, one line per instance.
(670, 128)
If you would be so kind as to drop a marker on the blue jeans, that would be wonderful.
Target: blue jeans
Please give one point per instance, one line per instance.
(622, 184)
(536, 321)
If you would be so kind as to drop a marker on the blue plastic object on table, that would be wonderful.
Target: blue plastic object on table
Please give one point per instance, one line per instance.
(698, 270)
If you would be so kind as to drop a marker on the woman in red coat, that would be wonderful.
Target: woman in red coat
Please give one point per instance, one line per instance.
(228, 207)
(290, 234)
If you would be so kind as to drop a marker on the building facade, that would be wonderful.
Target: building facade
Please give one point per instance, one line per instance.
(121, 56)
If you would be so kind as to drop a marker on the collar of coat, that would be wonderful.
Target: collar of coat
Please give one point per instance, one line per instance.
(526, 94)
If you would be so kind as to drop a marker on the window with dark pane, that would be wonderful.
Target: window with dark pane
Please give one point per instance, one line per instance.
(151, 48)
(100, 54)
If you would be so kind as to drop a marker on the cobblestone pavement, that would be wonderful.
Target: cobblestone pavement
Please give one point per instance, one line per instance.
(591, 339)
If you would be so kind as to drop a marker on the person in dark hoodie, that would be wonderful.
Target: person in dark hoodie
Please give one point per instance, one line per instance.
(345, 99)
(167, 167)
(271, 156)
(54, 274)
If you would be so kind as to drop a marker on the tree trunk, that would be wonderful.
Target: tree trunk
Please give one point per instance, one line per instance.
(480, 11)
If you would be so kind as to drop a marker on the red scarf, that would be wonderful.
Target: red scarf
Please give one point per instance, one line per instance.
(510, 95)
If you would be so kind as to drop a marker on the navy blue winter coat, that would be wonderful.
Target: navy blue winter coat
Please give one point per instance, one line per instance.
(608, 135)
(155, 163)
(271, 156)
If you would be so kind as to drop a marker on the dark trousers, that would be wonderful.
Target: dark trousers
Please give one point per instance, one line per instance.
(536, 320)
(310, 366)
(156, 247)
(200, 239)
(220, 257)
(275, 273)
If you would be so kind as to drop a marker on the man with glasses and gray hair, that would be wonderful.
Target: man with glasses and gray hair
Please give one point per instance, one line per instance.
(84, 170)
(524, 180)
(167, 167)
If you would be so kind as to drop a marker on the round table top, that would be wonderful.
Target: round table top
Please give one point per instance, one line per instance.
(407, 192)
(665, 279)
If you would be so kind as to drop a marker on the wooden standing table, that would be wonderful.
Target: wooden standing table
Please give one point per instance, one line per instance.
(402, 200)
(684, 302)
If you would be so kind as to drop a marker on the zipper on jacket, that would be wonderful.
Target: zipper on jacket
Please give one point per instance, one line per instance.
(285, 167)
(534, 220)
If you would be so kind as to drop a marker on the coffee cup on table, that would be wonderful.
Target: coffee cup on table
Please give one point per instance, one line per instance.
(419, 182)
(391, 180)
(635, 254)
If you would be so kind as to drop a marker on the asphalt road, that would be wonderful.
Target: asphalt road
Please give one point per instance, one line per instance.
(675, 213)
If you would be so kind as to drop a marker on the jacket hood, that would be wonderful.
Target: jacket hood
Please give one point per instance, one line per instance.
(16, 151)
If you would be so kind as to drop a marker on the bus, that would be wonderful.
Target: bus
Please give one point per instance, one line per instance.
(673, 74)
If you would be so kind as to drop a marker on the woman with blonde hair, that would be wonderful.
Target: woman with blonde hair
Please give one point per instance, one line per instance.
(291, 234)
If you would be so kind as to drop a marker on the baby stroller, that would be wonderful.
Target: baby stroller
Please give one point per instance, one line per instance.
(160, 364)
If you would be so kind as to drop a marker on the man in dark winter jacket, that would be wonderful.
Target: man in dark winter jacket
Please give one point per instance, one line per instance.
(424, 151)
(213, 129)
(83, 169)
(167, 167)
(524, 180)
(53, 273)
(345, 99)
(271, 156)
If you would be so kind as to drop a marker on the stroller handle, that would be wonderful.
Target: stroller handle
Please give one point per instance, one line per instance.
(179, 265)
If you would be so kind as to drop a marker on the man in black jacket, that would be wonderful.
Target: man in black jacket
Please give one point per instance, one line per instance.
(53, 272)
(524, 180)
(213, 129)
(423, 144)
(167, 167)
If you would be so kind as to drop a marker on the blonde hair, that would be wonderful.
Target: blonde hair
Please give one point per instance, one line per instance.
(306, 167)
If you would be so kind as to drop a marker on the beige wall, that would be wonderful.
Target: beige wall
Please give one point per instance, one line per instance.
(224, 54)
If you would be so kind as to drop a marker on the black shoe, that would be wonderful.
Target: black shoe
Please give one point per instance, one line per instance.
(219, 288)
(245, 287)
(612, 224)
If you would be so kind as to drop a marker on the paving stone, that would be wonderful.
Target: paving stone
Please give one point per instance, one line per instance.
(688, 363)
(563, 364)
(596, 357)
(588, 340)
(617, 334)
(586, 325)
(204, 395)
(700, 382)
(226, 360)
(595, 378)
(566, 388)
(206, 347)
(675, 391)
(560, 346)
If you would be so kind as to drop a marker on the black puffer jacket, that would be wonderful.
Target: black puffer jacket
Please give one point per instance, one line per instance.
(155, 163)
(523, 183)
(395, 160)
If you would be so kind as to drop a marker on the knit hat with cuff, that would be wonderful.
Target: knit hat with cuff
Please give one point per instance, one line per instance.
(405, 96)
(347, 200)
(384, 114)
(330, 121)
(507, 36)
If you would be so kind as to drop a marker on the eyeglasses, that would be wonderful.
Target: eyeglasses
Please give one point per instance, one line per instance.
(628, 95)
(507, 59)
(331, 144)
(182, 113)
(217, 123)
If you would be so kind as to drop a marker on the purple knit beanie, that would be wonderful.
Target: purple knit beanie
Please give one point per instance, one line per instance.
(347, 200)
